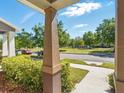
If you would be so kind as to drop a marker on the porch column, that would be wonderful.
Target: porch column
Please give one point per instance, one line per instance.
(5, 45)
(51, 65)
(11, 44)
(120, 47)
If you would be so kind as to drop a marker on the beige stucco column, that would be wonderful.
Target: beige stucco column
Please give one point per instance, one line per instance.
(120, 47)
(11, 44)
(5, 45)
(51, 65)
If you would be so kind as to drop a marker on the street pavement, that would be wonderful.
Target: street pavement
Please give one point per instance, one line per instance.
(89, 58)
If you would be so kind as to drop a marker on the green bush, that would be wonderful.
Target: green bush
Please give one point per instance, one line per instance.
(23, 71)
(67, 84)
(111, 81)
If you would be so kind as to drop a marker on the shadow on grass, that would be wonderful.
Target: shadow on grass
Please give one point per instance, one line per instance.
(109, 54)
(62, 50)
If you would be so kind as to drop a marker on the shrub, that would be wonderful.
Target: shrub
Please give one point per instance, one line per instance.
(111, 81)
(67, 84)
(23, 71)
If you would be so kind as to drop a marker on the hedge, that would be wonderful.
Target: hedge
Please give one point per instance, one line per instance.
(25, 72)
(111, 82)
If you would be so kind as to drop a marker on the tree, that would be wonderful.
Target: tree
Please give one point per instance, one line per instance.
(38, 35)
(23, 40)
(79, 42)
(27, 40)
(88, 38)
(105, 33)
(72, 43)
(64, 37)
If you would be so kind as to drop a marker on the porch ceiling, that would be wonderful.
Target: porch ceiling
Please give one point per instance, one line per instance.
(40, 5)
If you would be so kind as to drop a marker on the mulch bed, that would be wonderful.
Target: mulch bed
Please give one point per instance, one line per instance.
(8, 87)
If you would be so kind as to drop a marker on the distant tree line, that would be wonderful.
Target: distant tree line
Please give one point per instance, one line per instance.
(104, 36)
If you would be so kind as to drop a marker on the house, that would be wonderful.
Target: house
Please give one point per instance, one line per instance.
(8, 43)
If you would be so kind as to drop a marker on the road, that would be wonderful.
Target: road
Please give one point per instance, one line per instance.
(92, 58)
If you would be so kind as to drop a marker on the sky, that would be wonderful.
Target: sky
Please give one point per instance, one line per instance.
(79, 18)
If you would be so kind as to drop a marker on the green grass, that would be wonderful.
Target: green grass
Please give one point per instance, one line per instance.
(86, 51)
(80, 51)
(77, 74)
(108, 65)
(74, 61)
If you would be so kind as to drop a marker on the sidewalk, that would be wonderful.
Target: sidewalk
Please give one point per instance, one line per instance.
(95, 81)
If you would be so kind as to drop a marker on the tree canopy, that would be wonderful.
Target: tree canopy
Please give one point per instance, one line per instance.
(105, 33)
(103, 36)
(38, 35)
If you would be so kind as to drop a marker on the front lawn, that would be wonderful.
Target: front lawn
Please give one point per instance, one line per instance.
(77, 75)
(75, 61)
(108, 65)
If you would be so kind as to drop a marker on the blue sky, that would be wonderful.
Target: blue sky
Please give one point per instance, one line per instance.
(78, 18)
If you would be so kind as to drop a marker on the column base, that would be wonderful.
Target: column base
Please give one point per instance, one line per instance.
(119, 86)
(51, 83)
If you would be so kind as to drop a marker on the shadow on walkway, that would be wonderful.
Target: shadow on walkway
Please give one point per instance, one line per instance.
(110, 91)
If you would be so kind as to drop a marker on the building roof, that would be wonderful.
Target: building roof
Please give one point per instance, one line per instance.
(5, 26)
(40, 5)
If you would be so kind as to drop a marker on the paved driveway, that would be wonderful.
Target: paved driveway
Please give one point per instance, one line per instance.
(89, 58)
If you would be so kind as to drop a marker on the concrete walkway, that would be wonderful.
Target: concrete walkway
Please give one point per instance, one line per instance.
(95, 81)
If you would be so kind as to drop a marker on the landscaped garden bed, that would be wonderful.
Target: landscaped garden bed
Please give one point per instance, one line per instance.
(24, 74)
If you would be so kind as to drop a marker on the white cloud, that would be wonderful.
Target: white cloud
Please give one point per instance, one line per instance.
(81, 8)
(27, 17)
(80, 25)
